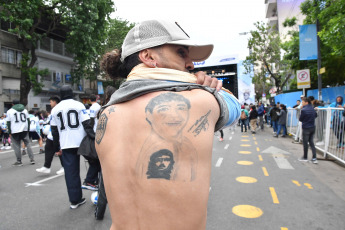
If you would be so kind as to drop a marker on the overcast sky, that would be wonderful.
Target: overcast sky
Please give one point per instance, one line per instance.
(217, 21)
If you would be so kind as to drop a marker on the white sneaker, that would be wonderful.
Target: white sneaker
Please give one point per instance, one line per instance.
(60, 171)
(320, 143)
(3, 147)
(8, 147)
(43, 170)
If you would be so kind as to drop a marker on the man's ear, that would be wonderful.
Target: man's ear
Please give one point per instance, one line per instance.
(146, 56)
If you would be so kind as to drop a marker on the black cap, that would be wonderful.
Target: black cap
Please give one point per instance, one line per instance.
(66, 92)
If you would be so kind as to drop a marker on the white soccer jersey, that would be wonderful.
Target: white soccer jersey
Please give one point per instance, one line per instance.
(93, 113)
(34, 125)
(19, 122)
(68, 116)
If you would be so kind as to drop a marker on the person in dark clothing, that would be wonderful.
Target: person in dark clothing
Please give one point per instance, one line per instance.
(261, 113)
(298, 102)
(253, 117)
(274, 118)
(282, 121)
(337, 123)
(308, 115)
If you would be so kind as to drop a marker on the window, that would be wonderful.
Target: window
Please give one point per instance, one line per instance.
(47, 77)
(10, 56)
(57, 47)
(45, 44)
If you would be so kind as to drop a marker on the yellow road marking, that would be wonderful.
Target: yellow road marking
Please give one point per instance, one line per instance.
(245, 152)
(244, 136)
(244, 140)
(245, 162)
(308, 185)
(296, 182)
(283, 228)
(274, 195)
(247, 211)
(265, 171)
(258, 149)
(243, 145)
(256, 142)
(260, 158)
(246, 179)
(254, 138)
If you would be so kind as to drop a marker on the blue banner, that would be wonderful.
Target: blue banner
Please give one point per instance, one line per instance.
(307, 42)
(100, 87)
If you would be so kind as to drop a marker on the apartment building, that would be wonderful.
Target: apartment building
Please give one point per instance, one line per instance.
(52, 55)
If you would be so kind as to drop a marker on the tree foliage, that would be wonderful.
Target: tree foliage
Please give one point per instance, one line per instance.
(83, 22)
(332, 38)
(264, 44)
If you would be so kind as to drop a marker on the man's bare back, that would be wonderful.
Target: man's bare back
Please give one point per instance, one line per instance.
(155, 153)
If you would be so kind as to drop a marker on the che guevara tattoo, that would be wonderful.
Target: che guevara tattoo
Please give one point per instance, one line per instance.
(167, 153)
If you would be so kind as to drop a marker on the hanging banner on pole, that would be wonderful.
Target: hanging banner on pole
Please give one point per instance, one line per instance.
(308, 42)
(303, 78)
(100, 87)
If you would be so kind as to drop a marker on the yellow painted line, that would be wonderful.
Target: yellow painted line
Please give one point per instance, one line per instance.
(274, 195)
(254, 138)
(265, 171)
(245, 136)
(245, 145)
(258, 149)
(245, 162)
(256, 142)
(246, 179)
(260, 158)
(244, 140)
(247, 211)
(308, 185)
(296, 182)
(283, 228)
(245, 152)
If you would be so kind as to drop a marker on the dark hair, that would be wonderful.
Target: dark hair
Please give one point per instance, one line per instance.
(311, 98)
(87, 106)
(114, 68)
(108, 92)
(299, 100)
(55, 98)
(93, 97)
(31, 112)
(165, 97)
(253, 107)
(306, 99)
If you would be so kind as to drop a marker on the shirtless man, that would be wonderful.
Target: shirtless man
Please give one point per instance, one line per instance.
(154, 138)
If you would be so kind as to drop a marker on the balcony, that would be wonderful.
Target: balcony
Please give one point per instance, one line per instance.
(271, 8)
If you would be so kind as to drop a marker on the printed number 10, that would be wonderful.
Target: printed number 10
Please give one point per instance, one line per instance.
(69, 119)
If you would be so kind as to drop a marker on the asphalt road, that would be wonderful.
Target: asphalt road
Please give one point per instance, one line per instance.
(256, 183)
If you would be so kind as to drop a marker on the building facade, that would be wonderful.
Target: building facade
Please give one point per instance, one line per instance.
(51, 55)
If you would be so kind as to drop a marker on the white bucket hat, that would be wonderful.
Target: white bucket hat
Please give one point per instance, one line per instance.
(154, 33)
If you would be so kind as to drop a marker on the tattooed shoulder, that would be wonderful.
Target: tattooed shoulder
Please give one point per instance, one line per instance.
(200, 125)
(101, 127)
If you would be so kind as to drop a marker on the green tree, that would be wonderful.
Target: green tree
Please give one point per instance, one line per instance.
(264, 44)
(83, 22)
(332, 40)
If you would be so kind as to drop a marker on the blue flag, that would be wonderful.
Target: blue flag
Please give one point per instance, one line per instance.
(307, 42)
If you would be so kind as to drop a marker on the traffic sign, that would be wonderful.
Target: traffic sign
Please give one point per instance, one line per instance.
(303, 78)
(263, 95)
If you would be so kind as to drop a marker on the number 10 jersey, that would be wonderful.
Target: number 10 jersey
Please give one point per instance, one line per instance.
(68, 116)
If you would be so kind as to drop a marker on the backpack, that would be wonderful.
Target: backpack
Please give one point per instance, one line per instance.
(243, 115)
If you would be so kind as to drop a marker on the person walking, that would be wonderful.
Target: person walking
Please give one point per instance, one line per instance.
(281, 121)
(70, 123)
(308, 115)
(244, 119)
(49, 147)
(253, 118)
(18, 124)
(261, 113)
